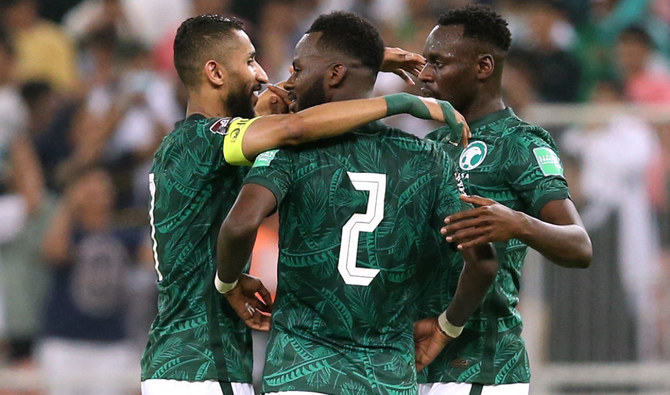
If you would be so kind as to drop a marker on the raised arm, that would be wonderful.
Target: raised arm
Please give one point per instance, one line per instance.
(431, 335)
(558, 233)
(336, 118)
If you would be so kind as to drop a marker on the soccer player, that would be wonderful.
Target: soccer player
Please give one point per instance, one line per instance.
(359, 219)
(516, 164)
(197, 344)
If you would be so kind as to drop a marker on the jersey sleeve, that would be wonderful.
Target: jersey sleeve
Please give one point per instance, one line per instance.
(534, 170)
(272, 169)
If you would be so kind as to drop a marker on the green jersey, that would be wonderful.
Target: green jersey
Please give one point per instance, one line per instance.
(516, 164)
(359, 220)
(196, 335)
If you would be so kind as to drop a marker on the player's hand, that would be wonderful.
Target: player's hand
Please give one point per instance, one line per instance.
(274, 100)
(443, 111)
(429, 341)
(402, 63)
(465, 133)
(489, 221)
(245, 300)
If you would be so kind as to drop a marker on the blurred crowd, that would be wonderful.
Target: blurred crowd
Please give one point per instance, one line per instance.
(87, 92)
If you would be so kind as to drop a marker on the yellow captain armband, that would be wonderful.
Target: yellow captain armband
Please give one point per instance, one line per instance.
(232, 143)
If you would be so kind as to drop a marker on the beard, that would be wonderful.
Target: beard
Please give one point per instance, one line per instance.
(313, 96)
(240, 103)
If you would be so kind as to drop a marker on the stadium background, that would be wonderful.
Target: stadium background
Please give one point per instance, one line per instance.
(96, 88)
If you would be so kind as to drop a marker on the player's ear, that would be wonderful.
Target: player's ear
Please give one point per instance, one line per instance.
(485, 65)
(215, 73)
(336, 74)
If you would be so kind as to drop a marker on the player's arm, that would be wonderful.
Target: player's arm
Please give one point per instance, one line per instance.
(57, 240)
(558, 233)
(234, 246)
(431, 335)
(402, 63)
(248, 138)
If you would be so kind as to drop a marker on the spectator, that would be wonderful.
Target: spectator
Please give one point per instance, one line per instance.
(552, 67)
(623, 148)
(84, 324)
(43, 50)
(645, 74)
(22, 213)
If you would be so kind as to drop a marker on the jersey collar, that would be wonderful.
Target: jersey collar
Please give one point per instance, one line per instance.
(489, 118)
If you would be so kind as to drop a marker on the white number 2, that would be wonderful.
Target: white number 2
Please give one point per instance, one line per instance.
(376, 185)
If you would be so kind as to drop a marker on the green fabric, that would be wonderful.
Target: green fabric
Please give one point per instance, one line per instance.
(502, 166)
(196, 335)
(401, 103)
(404, 103)
(328, 335)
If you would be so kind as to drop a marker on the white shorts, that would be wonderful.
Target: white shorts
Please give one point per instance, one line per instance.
(466, 388)
(179, 387)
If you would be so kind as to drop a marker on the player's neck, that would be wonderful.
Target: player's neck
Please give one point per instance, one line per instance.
(483, 106)
(351, 92)
(210, 106)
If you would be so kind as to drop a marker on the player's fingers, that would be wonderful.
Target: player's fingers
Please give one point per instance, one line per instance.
(260, 322)
(466, 234)
(466, 135)
(253, 304)
(415, 58)
(478, 200)
(264, 308)
(473, 243)
(265, 295)
(281, 93)
(460, 216)
(404, 75)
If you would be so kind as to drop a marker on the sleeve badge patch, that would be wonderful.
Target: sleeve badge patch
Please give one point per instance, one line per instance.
(265, 158)
(549, 162)
(221, 126)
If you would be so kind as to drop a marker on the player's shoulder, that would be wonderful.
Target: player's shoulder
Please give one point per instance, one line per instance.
(515, 131)
(408, 141)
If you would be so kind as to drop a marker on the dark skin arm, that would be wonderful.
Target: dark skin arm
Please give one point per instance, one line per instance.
(323, 121)
(558, 234)
(234, 246)
(479, 271)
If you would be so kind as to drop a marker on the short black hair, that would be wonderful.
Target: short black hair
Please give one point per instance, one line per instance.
(638, 34)
(196, 38)
(480, 23)
(352, 35)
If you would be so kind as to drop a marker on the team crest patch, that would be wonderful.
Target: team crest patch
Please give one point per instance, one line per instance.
(548, 161)
(220, 126)
(472, 156)
(265, 158)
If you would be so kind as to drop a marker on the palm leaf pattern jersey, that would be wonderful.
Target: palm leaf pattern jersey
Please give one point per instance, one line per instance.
(196, 335)
(516, 164)
(359, 220)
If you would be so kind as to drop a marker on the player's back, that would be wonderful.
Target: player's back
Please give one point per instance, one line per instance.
(196, 335)
(359, 229)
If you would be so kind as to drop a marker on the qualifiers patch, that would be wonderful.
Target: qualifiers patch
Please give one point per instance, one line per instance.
(548, 161)
(220, 126)
(265, 158)
(472, 156)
